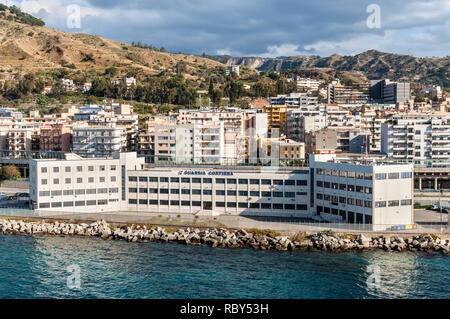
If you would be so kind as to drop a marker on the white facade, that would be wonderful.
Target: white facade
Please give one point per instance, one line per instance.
(293, 100)
(81, 185)
(377, 193)
(98, 140)
(417, 139)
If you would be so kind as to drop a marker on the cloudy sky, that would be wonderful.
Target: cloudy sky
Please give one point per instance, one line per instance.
(259, 27)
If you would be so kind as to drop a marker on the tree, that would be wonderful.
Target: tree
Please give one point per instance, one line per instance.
(9, 172)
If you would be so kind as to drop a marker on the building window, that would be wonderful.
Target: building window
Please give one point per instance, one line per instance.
(406, 175)
(174, 180)
(90, 180)
(90, 168)
(302, 182)
(55, 169)
(67, 169)
(220, 192)
(196, 180)
(56, 181)
(163, 179)
(143, 179)
(79, 170)
(393, 175)
(132, 178)
(43, 169)
(220, 181)
(278, 206)
(43, 182)
(406, 202)
(207, 181)
(68, 180)
(266, 182)
(231, 193)
(254, 182)
(393, 203)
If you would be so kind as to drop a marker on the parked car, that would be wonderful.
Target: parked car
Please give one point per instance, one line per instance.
(3, 196)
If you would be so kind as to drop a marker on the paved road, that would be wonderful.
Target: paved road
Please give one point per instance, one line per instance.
(422, 215)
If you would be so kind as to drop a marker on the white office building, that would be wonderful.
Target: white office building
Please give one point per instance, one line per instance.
(377, 195)
(349, 191)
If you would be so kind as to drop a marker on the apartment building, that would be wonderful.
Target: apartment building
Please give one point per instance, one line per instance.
(232, 68)
(22, 137)
(388, 92)
(55, 137)
(309, 119)
(98, 140)
(377, 193)
(418, 138)
(357, 93)
(276, 119)
(341, 139)
(293, 100)
(67, 84)
(307, 83)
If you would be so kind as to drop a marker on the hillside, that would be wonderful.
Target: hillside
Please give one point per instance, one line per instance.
(26, 48)
(373, 64)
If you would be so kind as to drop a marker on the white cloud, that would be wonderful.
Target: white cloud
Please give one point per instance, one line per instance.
(286, 49)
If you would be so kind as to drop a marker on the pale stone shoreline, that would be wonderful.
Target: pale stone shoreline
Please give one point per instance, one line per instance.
(226, 238)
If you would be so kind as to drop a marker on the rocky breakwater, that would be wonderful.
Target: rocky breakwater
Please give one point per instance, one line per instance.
(225, 238)
(423, 242)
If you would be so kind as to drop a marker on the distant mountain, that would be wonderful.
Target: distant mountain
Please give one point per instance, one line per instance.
(373, 64)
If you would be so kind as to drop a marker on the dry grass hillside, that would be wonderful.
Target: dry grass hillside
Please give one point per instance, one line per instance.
(25, 48)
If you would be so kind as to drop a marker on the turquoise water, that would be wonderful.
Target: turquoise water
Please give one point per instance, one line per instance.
(36, 267)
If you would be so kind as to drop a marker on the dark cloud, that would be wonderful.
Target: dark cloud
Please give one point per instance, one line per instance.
(271, 26)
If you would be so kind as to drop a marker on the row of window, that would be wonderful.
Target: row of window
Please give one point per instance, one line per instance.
(218, 204)
(229, 181)
(347, 216)
(393, 203)
(100, 202)
(335, 200)
(79, 180)
(345, 187)
(70, 192)
(79, 169)
(402, 175)
(348, 174)
(218, 192)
